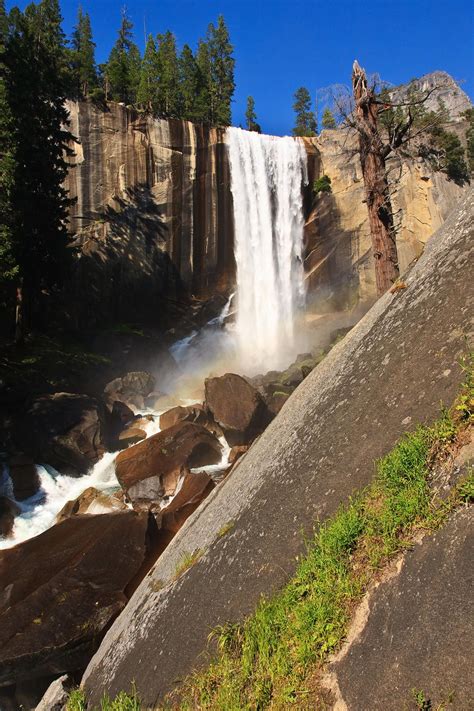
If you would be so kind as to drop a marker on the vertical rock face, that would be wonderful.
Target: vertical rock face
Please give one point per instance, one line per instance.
(337, 238)
(152, 213)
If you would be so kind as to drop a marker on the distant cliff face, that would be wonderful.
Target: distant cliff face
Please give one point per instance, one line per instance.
(153, 214)
(153, 217)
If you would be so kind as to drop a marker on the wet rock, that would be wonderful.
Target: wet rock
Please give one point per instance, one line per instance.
(276, 401)
(236, 452)
(24, 476)
(193, 491)
(131, 389)
(151, 469)
(60, 590)
(56, 695)
(8, 510)
(237, 407)
(65, 430)
(121, 413)
(91, 501)
(192, 413)
(131, 435)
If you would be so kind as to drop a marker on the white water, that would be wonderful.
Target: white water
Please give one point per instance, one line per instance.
(267, 174)
(39, 512)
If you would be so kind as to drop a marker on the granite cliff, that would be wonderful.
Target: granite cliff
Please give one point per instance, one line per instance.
(153, 214)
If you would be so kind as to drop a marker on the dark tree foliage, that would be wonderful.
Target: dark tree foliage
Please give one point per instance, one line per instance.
(37, 85)
(84, 70)
(220, 73)
(8, 265)
(192, 87)
(251, 116)
(122, 72)
(149, 78)
(167, 98)
(305, 124)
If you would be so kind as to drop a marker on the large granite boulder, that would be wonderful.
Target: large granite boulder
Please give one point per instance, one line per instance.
(237, 407)
(60, 590)
(65, 430)
(131, 389)
(191, 413)
(91, 501)
(151, 469)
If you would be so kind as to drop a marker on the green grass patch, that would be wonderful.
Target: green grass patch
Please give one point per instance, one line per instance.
(187, 561)
(268, 660)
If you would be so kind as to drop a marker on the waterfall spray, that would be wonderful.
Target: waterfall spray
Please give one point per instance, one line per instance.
(267, 174)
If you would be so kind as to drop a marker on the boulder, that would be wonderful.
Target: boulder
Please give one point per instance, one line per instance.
(8, 510)
(65, 430)
(236, 452)
(131, 389)
(194, 489)
(131, 435)
(192, 413)
(60, 590)
(275, 402)
(237, 407)
(56, 695)
(91, 501)
(24, 476)
(151, 469)
(121, 413)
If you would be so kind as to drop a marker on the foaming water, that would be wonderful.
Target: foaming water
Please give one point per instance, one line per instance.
(39, 512)
(267, 175)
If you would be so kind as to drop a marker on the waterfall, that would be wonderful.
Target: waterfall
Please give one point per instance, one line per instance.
(267, 174)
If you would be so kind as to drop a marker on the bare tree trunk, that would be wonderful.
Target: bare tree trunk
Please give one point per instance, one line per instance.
(372, 159)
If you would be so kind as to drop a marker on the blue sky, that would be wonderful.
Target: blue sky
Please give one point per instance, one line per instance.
(281, 45)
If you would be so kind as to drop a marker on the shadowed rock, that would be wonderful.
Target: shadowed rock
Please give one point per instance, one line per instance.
(131, 389)
(237, 407)
(417, 633)
(60, 590)
(24, 476)
(151, 470)
(65, 430)
(8, 511)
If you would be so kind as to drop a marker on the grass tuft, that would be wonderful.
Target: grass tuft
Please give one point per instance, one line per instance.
(187, 561)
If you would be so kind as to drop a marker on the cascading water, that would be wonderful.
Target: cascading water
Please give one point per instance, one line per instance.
(267, 174)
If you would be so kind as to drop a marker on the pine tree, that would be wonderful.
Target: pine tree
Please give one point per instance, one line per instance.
(37, 58)
(191, 87)
(328, 120)
(203, 98)
(148, 86)
(168, 76)
(83, 55)
(251, 116)
(305, 124)
(122, 73)
(221, 73)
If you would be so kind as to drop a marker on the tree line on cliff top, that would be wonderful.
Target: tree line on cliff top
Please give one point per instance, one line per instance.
(196, 86)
